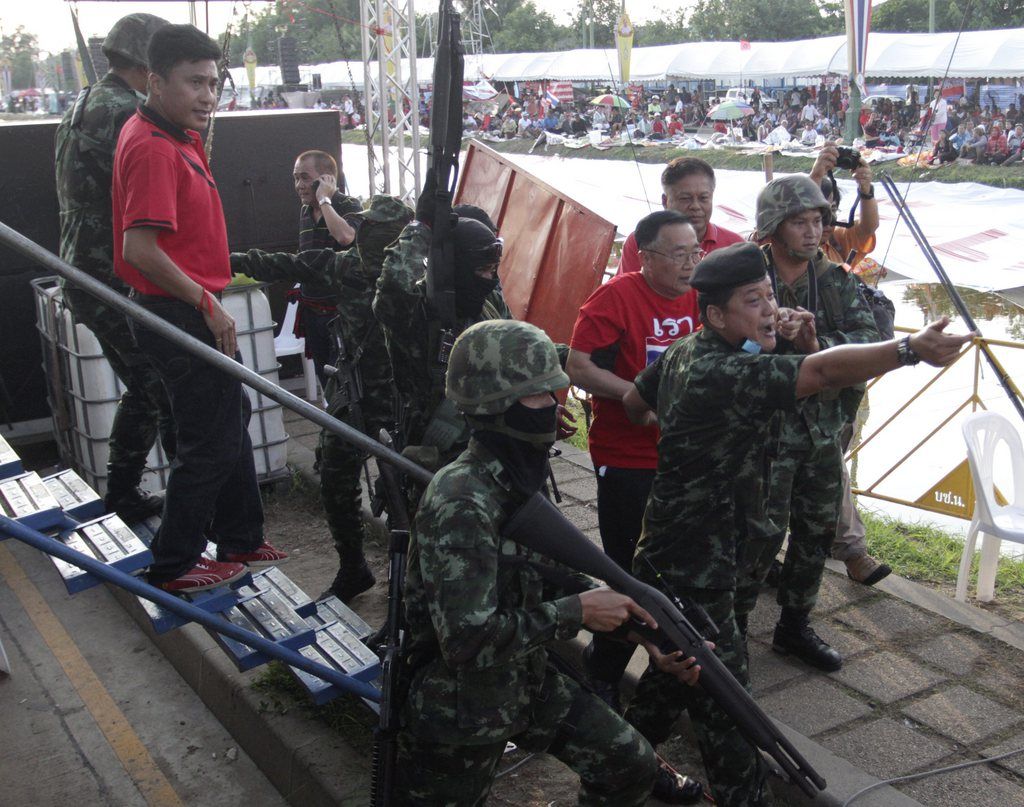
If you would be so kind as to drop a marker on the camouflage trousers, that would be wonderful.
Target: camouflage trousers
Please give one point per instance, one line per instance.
(144, 410)
(340, 488)
(615, 764)
(737, 774)
(806, 492)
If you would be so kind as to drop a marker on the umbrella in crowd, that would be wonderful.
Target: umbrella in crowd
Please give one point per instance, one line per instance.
(608, 99)
(731, 110)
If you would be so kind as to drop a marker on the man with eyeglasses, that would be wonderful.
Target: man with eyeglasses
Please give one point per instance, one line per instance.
(623, 327)
(688, 187)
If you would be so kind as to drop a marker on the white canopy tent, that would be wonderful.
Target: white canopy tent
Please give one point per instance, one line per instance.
(978, 54)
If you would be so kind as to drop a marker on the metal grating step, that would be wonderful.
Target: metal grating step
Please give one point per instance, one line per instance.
(336, 646)
(10, 462)
(275, 580)
(110, 541)
(76, 498)
(331, 609)
(216, 601)
(25, 499)
(267, 614)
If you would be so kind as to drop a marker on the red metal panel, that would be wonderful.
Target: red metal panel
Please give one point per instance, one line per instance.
(556, 250)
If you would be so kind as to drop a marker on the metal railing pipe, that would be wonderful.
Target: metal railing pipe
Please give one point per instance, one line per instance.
(185, 609)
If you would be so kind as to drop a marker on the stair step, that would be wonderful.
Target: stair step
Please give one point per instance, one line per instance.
(275, 580)
(25, 499)
(215, 600)
(76, 498)
(338, 647)
(10, 462)
(331, 609)
(107, 539)
(269, 615)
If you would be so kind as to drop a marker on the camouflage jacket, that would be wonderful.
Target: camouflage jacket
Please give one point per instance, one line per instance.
(841, 317)
(400, 306)
(475, 610)
(718, 413)
(353, 283)
(84, 161)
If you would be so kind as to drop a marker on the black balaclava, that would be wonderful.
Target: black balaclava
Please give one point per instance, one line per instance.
(520, 438)
(476, 246)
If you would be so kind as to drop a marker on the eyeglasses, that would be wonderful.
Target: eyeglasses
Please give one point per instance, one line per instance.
(692, 258)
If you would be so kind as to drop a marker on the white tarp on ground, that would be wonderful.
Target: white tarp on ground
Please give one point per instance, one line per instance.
(978, 54)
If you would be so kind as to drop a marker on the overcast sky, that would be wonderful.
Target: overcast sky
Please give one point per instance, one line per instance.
(50, 20)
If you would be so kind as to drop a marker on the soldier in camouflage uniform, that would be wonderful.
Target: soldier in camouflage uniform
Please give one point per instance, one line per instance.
(807, 480)
(476, 612)
(411, 332)
(85, 142)
(351, 276)
(718, 394)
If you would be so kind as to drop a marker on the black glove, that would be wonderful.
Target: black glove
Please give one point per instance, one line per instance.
(426, 204)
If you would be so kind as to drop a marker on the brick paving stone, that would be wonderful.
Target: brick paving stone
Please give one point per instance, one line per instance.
(813, 706)
(847, 643)
(889, 619)
(977, 787)
(768, 668)
(582, 490)
(1001, 675)
(887, 677)
(1014, 763)
(838, 591)
(582, 515)
(566, 471)
(886, 748)
(955, 653)
(963, 715)
(765, 614)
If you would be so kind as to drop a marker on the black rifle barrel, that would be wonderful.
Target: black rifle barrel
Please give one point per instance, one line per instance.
(933, 260)
(31, 250)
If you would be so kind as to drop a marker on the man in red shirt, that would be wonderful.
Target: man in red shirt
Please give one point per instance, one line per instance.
(625, 325)
(171, 247)
(688, 187)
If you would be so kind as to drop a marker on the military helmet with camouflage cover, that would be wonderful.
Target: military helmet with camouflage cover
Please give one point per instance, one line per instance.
(498, 361)
(382, 207)
(130, 37)
(785, 197)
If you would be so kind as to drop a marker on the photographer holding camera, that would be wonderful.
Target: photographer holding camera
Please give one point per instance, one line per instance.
(846, 242)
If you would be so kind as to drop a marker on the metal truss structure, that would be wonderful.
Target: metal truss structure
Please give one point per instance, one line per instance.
(392, 98)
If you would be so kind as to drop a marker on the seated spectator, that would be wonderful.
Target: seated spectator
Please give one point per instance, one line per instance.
(658, 128)
(578, 126)
(509, 126)
(551, 120)
(995, 149)
(958, 139)
(943, 151)
(890, 137)
(599, 120)
(974, 148)
(644, 126)
(675, 126)
(809, 136)
(721, 127)
(1015, 144)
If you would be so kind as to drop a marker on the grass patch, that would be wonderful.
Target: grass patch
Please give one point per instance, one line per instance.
(575, 407)
(927, 554)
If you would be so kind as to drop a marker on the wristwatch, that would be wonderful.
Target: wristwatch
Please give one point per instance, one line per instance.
(869, 195)
(326, 200)
(905, 354)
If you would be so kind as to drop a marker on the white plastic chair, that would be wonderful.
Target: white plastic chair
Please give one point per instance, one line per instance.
(984, 432)
(287, 343)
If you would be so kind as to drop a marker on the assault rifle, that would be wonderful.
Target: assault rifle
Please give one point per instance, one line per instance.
(539, 525)
(345, 372)
(443, 174)
(392, 685)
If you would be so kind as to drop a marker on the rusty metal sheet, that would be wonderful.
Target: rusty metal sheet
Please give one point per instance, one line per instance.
(556, 249)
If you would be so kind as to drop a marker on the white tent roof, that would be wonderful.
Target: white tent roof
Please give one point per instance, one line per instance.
(978, 54)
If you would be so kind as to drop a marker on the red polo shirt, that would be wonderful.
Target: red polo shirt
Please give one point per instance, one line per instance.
(715, 238)
(162, 180)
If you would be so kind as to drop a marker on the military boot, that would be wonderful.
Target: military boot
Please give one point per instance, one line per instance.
(671, 787)
(795, 636)
(133, 504)
(351, 580)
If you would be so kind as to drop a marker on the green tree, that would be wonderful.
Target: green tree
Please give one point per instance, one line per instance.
(669, 29)
(602, 16)
(19, 51)
(763, 20)
(317, 25)
(912, 15)
(525, 29)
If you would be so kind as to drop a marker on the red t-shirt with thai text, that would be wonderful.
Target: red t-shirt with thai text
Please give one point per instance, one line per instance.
(628, 314)
(714, 238)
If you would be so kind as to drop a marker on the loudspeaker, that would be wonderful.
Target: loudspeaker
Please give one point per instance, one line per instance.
(288, 54)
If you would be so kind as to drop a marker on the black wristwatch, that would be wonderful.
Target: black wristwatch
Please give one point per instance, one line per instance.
(905, 354)
(869, 195)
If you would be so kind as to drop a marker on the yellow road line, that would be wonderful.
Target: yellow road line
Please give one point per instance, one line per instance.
(137, 762)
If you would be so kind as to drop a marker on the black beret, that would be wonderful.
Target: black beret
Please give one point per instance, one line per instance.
(729, 267)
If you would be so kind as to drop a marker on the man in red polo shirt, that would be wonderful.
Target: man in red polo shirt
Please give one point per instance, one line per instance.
(625, 325)
(171, 247)
(687, 186)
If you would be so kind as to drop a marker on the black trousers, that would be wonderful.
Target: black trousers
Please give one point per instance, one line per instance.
(621, 500)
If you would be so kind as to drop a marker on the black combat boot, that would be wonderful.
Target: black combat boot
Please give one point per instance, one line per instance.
(134, 504)
(795, 636)
(674, 788)
(351, 580)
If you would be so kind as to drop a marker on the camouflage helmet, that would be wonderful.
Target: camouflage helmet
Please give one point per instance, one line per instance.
(129, 38)
(382, 207)
(498, 361)
(785, 197)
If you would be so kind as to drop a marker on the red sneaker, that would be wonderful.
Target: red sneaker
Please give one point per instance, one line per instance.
(261, 556)
(205, 574)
